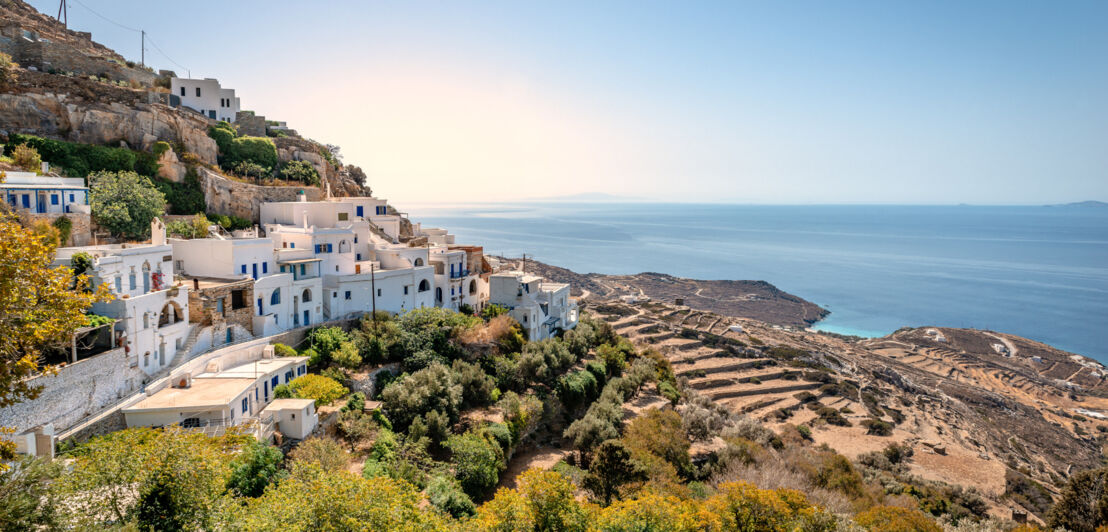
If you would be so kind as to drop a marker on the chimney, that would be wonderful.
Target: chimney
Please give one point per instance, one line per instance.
(157, 232)
(45, 168)
(300, 196)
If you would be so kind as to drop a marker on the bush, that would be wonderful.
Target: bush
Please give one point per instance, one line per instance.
(78, 160)
(317, 387)
(27, 158)
(250, 169)
(257, 467)
(1084, 503)
(324, 452)
(65, 227)
(183, 198)
(125, 203)
(431, 388)
(7, 70)
(804, 431)
(895, 519)
(301, 171)
(326, 341)
(283, 350)
(577, 389)
(477, 462)
(446, 494)
(877, 427)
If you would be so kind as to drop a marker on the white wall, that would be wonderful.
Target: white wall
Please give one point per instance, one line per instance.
(209, 99)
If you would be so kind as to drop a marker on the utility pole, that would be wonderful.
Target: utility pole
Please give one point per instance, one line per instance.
(143, 60)
(373, 288)
(63, 15)
(523, 264)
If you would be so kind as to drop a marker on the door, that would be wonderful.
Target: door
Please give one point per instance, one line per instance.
(26, 201)
(255, 271)
(307, 318)
(260, 307)
(265, 386)
(360, 211)
(40, 205)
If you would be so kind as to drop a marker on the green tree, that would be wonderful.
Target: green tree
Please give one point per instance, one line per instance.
(301, 171)
(659, 432)
(1083, 506)
(431, 388)
(477, 462)
(322, 389)
(611, 468)
(446, 494)
(356, 427)
(125, 202)
(258, 466)
(326, 341)
(26, 500)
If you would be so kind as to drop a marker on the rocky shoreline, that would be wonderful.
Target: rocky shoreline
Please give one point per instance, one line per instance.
(758, 300)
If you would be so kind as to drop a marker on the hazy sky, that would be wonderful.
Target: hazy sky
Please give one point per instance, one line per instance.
(765, 102)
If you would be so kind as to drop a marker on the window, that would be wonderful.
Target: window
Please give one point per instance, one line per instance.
(288, 376)
(405, 290)
(243, 269)
(355, 239)
(334, 295)
(306, 296)
(343, 216)
(275, 297)
(347, 295)
(358, 256)
(359, 212)
(118, 283)
(265, 267)
(71, 200)
(378, 292)
(245, 405)
(524, 318)
(424, 286)
(319, 248)
(238, 299)
(330, 248)
(132, 281)
(197, 91)
(292, 245)
(282, 268)
(53, 199)
(182, 91)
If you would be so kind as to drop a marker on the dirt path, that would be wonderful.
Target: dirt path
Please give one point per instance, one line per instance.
(531, 457)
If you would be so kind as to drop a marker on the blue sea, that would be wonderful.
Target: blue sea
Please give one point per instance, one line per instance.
(1038, 272)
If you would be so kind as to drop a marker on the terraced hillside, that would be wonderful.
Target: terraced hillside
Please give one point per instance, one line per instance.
(979, 408)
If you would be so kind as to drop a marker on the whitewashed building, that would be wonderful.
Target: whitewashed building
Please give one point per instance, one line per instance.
(279, 287)
(28, 192)
(541, 308)
(206, 97)
(151, 305)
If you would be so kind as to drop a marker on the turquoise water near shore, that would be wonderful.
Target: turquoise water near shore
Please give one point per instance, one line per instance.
(1039, 272)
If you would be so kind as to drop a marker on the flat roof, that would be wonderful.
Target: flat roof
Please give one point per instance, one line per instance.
(287, 404)
(204, 393)
(251, 370)
(204, 283)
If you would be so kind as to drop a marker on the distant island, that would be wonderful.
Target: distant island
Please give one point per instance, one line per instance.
(1083, 204)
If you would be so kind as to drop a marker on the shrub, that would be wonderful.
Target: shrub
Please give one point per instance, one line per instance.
(321, 451)
(257, 467)
(317, 387)
(477, 387)
(895, 519)
(301, 171)
(1083, 504)
(326, 341)
(65, 227)
(832, 416)
(610, 469)
(577, 389)
(804, 431)
(431, 388)
(7, 70)
(27, 158)
(160, 148)
(477, 462)
(283, 350)
(125, 203)
(877, 427)
(258, 150)
(446, 494)
(183, 198)
(250, 169)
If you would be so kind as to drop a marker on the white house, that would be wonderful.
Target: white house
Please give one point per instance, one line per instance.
(296, 418)
(43, 194)
(206, 97)
(151, 305)
(255, 258)
(219, 398)
(541, 308)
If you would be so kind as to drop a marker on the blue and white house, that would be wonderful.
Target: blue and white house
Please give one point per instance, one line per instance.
(43, 194)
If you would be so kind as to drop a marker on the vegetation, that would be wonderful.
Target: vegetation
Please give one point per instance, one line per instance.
(40, 307)
(8, 69)
(80, 160)
(322, 390)
(27, 158)
(183, 198)
(301, 171)
(197, 227)
(125, 203)
(249, 156)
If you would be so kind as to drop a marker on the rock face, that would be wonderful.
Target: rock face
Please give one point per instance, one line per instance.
(340, 180)
(235, 198)
(140, 126)
(171, 169)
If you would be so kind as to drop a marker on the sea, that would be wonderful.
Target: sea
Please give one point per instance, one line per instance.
(1036, 271)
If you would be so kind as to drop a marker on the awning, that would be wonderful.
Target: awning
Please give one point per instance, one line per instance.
(298, 261)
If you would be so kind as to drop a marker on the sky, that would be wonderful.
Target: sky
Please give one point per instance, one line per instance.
(934, 102)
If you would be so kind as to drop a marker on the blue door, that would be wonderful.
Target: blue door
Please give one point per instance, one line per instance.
(260, 307)
(255, 271)
(307, 318)
(26, 201)
(266, 386)
(360, 211)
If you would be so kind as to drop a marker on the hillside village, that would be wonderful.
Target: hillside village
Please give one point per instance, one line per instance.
(267, 344)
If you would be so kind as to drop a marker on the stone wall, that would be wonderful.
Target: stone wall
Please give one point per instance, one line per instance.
(75, 392)
(250, 124)
(226, 196)
(79, 235)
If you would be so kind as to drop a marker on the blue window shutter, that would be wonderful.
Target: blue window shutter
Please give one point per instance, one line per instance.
(292, 245)
(318, 248)
(71, 197)
(330, 248)
(53, 199)
(243, 269)
(360, 212)
(265, 267)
